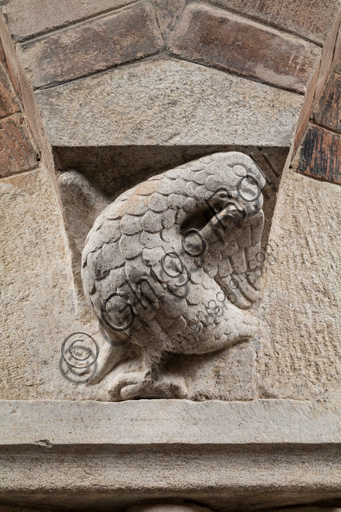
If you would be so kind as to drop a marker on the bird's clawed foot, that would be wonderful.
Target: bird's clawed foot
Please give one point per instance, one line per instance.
(143, 384)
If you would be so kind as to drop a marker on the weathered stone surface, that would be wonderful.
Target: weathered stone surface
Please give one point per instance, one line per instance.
(37, 311)
(329, 54)
(168, 103)
(318, 82)
(82, 203)
(8, 103)
(241, 456)
(213, 37)
(17, 152)
(307, 109)
(9, 61)
(338, 66)
(168, 14)
(328, 111)
(174, 422)
(92, 46)
(337, 55)
(320, 154)
(38, 16)
(299, 350)
(311, 19)
(151, 308)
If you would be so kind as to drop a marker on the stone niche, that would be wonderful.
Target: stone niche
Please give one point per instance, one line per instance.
(90, 178)
(103, 98)
(179, 105)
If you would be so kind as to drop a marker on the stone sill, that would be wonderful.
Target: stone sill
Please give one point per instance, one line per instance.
(225, 455)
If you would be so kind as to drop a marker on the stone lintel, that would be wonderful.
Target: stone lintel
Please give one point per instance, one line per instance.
(168, 103)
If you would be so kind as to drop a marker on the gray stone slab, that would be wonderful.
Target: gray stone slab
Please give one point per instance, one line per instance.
(167, 102)
(226, 456)
(153, 422)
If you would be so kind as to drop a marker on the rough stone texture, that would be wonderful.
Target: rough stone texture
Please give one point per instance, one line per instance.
(8, 102)
(174, 422)
(306, 112)
(34, 17)
(328, 111)
(320, 154)
(327, 58)
(299, 349)
(336, 66)
(311, 19)
(8, 64)
(211, 36)
(225, 456)
(82, 203)
(92, 46)
(37, 310)
(17, 152)
(168, 14)
(318, 83)
(166, 102)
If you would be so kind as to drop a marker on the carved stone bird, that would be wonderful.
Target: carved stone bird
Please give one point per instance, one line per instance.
(166, 270)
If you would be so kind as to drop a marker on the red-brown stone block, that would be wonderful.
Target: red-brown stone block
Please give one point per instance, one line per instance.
(328, 112)
(214, 37)
(8, 102)
(320, 155)
(93, 46)
(311, 19)
(17, 152)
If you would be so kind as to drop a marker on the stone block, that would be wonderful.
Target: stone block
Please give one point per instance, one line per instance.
(37, 310)
(318, 82)
(320, 154)
(168, 103)
(17, 151)
(307, 109)
(215, 38)
(311, 19)
(8, 102)
(299, 349)
(26, 20)
(259, 455)
(92, 46)
(9, 61)
(328, 111)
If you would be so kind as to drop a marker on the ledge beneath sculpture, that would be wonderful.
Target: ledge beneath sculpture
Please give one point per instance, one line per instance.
(223, 455)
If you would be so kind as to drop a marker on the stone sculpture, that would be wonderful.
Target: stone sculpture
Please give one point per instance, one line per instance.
(159, 267)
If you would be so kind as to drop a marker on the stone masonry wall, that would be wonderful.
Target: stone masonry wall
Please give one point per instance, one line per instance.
(116, 73)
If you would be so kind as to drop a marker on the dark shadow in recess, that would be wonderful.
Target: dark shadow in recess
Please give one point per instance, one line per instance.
(114, 169)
